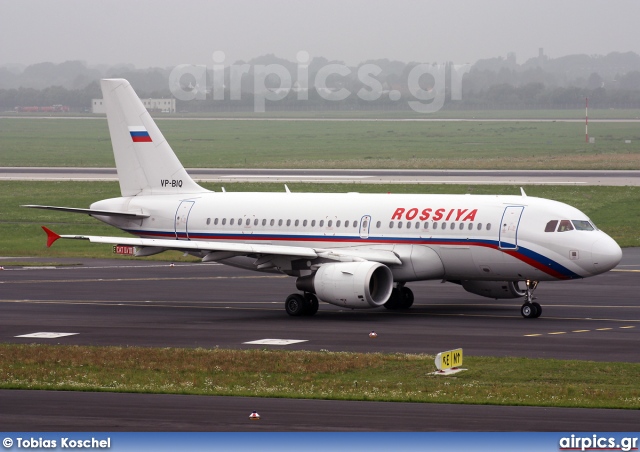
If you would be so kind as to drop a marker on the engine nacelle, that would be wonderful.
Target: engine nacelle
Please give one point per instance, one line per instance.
(494, 289)
(355, 285)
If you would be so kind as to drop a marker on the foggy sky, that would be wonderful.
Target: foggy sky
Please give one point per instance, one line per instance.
(162, 33)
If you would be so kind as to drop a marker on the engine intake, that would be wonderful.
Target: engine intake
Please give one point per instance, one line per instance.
(356, 285)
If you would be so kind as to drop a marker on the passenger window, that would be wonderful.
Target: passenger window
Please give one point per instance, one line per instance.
(378, 225)
(551, 226)
(313, 223)
(321, 223)
(239, 221)
(255, 222)
(231, 221)
(224, 221)
(304, 223)
(399, 224)
(417, 225)
(488, 226)
(408, 225)
(479, 226)
(453, 226)
(215, 222)
(329, 223)
(471, 226)
(461, 226)
(444, 225)
(355, 224)
(272, 222)
(426, 225)
(288, 222)
(565, 225)
(338, 224)
(208, 221)
(264, 222)
(391, 225)
(297, 223)
(279, 222)
(248, 222)
(435, 225)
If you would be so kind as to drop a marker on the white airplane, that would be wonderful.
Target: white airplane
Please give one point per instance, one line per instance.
(351, 250)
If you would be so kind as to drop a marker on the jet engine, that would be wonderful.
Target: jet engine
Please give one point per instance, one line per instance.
(494, 289)
(356, 285)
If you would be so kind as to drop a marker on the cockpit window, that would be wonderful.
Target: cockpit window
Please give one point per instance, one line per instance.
(582, 225)
(551, 226)
(565, 225)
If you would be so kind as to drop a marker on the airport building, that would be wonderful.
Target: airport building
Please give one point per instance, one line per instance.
(153, 105)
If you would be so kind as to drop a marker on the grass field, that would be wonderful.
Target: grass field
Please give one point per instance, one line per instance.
(335, 144)
(614, 209)
(395, 377)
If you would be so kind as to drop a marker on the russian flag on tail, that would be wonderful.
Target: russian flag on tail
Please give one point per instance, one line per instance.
(139, 134)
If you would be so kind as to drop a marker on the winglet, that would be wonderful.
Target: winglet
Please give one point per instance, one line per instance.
(51, 236)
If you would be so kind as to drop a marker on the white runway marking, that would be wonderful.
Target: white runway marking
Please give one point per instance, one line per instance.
(45, 335)
(276, 341)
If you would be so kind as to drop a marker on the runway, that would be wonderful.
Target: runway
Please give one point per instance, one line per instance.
(369, 176)
(146, 303)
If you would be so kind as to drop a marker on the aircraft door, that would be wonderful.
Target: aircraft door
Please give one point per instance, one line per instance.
(182, 219)
(509, 227)
(365, 223)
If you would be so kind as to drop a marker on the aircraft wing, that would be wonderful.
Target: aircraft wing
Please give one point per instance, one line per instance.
(112, 213)
(338, 254)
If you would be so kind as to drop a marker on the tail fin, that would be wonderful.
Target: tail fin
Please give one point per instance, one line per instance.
(145, 162)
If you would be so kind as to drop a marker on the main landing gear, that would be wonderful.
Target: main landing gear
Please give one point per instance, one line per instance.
(298, 305)
(530, 309)
(401, 298)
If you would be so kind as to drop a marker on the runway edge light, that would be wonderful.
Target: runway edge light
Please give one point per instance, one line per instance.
(449, 362)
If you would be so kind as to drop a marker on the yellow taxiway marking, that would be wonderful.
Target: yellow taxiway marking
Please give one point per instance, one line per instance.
(576, 331)
(627, 271)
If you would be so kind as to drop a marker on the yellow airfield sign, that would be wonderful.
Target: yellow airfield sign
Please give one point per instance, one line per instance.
(449, 360)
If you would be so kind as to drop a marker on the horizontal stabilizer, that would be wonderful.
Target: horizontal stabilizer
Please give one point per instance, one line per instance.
(111, 213)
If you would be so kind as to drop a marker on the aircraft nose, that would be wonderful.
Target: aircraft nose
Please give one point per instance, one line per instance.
(605, 254)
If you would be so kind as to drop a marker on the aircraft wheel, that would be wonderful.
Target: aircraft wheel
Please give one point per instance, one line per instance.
(311, 303)
(295, 305)
(405, 298)
(538, 309)
(529, 311)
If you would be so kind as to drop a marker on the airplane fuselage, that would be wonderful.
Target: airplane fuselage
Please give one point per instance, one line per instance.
(474, 237)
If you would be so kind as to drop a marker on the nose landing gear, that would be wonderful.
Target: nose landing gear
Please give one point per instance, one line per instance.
(530, 309)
